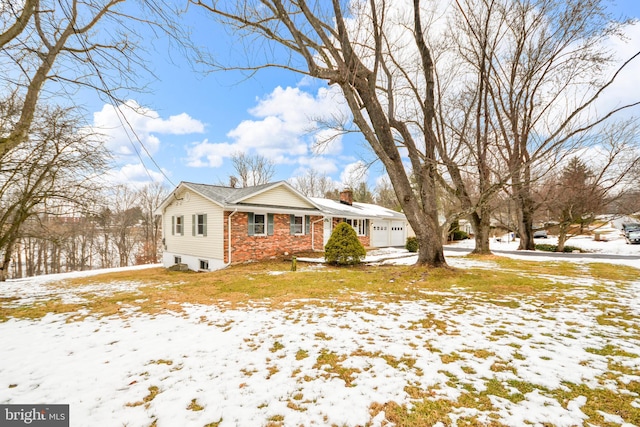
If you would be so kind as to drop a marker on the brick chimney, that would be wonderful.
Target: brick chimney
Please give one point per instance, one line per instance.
(346, 197)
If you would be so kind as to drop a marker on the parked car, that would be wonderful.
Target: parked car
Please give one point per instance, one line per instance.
(633, 236)
(629, 227)
(540, 234)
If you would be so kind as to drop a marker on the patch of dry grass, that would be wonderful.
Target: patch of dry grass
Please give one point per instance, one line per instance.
(158, 289)
(509, 286)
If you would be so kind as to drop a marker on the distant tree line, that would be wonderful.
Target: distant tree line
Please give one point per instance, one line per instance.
(56, 213)
(117, 227)
(494, 115)
(469, 105)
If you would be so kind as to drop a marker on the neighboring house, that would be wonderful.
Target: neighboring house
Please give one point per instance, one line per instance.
(262, 222)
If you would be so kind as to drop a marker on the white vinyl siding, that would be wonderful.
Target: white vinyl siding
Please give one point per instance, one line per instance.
(209, 244)
(279, 196)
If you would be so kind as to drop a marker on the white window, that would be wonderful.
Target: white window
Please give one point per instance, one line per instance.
(201, 225)
(178, 225)
(297, 224)
(177, 260)
(204, 265)
(260, 224)
(258, 227)
(359, 225)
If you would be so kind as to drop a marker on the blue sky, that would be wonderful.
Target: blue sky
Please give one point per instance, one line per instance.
(193, 122)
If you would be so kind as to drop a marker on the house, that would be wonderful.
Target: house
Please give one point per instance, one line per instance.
(208, 227)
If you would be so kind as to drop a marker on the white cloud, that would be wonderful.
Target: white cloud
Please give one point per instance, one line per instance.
(129, 125)
(285, 130)
(180, 124)
(321, 164)
(625, 89)
(134, 175)
(207, 154)
(327, 141)
(354, 173)
(125, 127)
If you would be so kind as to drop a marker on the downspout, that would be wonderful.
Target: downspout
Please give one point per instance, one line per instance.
(313, 229)
(229, 237)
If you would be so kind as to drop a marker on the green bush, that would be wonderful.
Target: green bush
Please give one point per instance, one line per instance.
(459, 235)
(546, 247)
(553, 248)
(412, 244)
(343, 247)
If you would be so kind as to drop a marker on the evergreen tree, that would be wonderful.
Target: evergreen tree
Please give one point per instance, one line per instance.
(343, 247)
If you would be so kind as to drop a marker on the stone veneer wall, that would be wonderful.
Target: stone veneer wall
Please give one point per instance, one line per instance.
(252, 248)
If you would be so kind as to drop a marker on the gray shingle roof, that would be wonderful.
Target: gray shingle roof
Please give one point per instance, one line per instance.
(225, 195)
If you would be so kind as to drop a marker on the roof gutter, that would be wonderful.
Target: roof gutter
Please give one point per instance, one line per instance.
(229, 237)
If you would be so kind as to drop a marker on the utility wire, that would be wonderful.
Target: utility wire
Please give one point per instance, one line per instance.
(128, 128)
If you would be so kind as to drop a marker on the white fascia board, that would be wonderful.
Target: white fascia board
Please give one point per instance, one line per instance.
(273, 210)
(185, 184)
(275, 185)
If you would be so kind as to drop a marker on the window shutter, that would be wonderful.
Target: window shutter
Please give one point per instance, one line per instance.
(193, 225)
(182, 225)
(366, 227)
(252, 224)
(173, 225)
(292, 224)
(204, 226)
(270, 224)
(307, 224)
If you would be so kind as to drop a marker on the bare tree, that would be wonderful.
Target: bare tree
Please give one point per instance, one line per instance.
(516, 90)
(74, 44)
(357, 47)
(52, 172)
(466, 133)
(252, 169)
(544, 80)
(150, 198)
(125, 226)
(592, 180)
(385, 196)
(313, 183)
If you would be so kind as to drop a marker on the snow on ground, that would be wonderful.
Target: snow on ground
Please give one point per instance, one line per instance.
(614, 244)
(317, 365)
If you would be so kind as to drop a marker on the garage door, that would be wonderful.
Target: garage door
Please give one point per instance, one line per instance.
(397, 233)
(380, 233)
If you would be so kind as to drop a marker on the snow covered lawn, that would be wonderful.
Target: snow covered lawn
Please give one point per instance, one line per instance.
(564, 353)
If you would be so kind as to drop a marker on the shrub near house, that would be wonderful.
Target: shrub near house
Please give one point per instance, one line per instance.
(207, 227)
(343, 247)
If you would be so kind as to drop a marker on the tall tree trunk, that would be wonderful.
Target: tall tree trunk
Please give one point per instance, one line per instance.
(481, 228)
(562, 236)
(19, 261)
(6, 263)
(525, 226)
